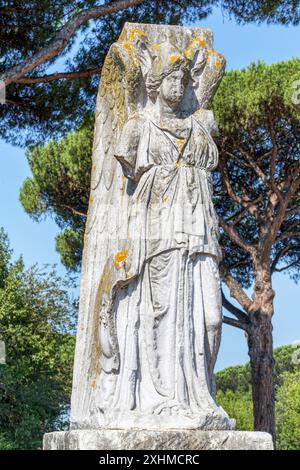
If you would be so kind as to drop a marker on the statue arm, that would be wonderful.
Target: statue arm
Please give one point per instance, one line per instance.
(207, 119)
(126, 148)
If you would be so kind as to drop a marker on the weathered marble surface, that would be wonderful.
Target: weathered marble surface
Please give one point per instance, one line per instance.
(150, 304)
(157, 440)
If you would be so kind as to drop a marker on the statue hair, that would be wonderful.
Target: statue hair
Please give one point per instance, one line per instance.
(155, 77)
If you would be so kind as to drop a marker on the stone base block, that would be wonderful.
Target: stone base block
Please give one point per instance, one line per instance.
(114, 439)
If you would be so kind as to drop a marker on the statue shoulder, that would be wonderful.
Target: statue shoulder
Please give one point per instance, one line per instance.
(129, 138)
(207, 119)
(133, 125)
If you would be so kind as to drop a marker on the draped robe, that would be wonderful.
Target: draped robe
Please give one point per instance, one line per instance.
(167, 318)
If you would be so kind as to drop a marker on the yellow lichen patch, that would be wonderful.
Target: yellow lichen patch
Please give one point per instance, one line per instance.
(93, 384)
(179, 162)
(104, 288)
(94, 167)
(120, 256)
(180, 144)
(165, 199)
(193, 46)
(136, 32)
(155, 46)
(174, 58)
(91, 200)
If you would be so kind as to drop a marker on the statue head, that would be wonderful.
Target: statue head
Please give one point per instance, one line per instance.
(168, 75)
(182, 71)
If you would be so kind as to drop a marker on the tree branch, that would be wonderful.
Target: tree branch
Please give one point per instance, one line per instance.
(293, 211)
(249, 205)
(58, 76)
(289, 233)
(74, 211)
(273, 162)
(236, 291)
(239, 314)
(256, 168)
(233, 322)
(288, 266)
(272, 230)
(20, 104)
(233, 234)
(237, 217)
(280, 254)
(58, 44)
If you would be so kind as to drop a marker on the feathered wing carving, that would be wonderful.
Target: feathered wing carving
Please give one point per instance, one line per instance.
(105, 235)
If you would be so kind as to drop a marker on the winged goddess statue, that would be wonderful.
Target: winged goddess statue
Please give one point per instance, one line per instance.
(150, 306)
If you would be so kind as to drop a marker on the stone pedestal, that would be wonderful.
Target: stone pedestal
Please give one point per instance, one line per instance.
(114, 439)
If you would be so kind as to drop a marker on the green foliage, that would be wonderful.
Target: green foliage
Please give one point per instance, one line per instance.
(234, 395)
(288, 412)
(69, 243)
(238, 378)
(59, 187)
(258, 118)
(61, 173)
(5, 256)
(248, 94)
(272, 11)
(39, 111)
(239, 406)
(37, 317)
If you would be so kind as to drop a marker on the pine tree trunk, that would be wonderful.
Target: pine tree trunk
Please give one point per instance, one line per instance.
(260, 342)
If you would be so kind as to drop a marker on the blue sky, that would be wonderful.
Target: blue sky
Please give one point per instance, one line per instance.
(241, 45)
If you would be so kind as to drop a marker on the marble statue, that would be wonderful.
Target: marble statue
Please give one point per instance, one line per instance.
(150, 313)
(150, 309)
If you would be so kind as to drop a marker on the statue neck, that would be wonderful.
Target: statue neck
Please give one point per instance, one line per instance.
(166, 111)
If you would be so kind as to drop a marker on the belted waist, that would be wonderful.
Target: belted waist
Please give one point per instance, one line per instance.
(179, 164)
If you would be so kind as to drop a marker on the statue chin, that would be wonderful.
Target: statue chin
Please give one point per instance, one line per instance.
(174, 102)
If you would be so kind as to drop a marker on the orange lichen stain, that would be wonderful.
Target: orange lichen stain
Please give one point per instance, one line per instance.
(136, 32)
(120, 256)
(128, 46)
(174, 58)
(218, 64)
(94, 168)
(211, 51)
(93, 384)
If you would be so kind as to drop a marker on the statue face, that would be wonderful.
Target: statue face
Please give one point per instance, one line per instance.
(172, 88)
